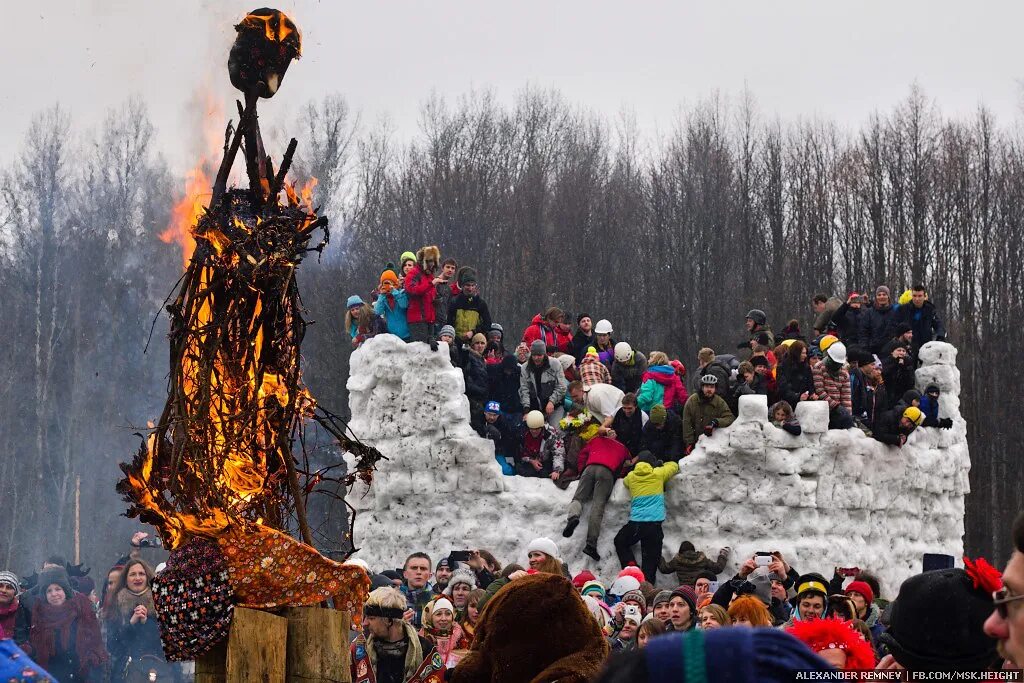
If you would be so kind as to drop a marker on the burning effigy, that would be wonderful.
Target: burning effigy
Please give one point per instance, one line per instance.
(222, 475)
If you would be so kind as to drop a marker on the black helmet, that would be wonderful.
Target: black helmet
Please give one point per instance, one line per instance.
(758, 316)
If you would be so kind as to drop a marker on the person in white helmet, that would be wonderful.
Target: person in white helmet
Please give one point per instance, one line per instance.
(603, 342)
(832, 382)
(628, 368)
(541, 450)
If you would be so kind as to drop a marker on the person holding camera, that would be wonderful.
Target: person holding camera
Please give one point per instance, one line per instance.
(898, 363)
(845, 322)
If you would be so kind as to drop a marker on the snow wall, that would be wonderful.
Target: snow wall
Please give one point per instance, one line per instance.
(823, 498)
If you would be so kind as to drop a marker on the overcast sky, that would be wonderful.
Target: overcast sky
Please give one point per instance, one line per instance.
(840, 60)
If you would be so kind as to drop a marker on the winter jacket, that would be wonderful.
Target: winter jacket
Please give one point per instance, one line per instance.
(549, 449)
(821, 320)
(444, 293)
(876, 327)
(665, 443)
(790, 425)
(629, 430)
(365, 324)
(552, 386)
(887, 427)
(593, 371)
(555, 338)
(689, 564)
(661, 385)
(930, 408)
(868, 402)
(792, 380)
(602, 451)
(416, 600)
(503, 383)
(765, 385)
(924, 321)
(394, 315)
(504, 435)
(835, 388)
(419, 287)
(475, 372)
(627, 376)
(580, 343)
(899, 377)
(699, 412)
(646, 485)
(469, 314)
(753, 334)
(846, 325)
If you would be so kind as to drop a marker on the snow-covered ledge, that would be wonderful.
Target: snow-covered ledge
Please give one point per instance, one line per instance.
(822, 498)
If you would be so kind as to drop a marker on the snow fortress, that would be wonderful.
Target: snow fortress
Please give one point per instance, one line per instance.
(824, 498)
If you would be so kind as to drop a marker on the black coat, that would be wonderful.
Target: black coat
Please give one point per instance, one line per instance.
(887, 427)
(475, 372)
(504, 435)
(579, 345)
(846, 325)
(925, 323)
(473, 309)
(629, 430)
(503, 383)
(868, 403)
(899, 377)
(666, 443)
(876, 328)
(793, 379)
(721, 373)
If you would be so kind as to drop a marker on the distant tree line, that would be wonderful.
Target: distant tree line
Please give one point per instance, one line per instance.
(672, 238)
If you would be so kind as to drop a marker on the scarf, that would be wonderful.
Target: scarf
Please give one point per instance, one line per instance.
(8, 615)
(127, 600)
(52, 630)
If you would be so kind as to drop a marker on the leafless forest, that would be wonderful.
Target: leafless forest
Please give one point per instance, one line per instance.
(672, 236)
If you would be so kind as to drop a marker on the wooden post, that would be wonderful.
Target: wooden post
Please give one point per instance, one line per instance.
(255, 651)
(318, 646)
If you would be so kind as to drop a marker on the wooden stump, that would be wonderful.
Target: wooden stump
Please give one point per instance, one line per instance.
(318, 646)
(255, 651)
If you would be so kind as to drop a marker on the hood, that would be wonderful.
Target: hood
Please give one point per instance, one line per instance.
(662, 374)
(539, 320)
(692, 556)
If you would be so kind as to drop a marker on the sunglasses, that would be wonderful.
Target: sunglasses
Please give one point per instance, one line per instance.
(1002, 598)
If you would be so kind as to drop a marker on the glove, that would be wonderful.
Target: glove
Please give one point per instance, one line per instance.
(708, 430)
(433, 345)
(946, 423)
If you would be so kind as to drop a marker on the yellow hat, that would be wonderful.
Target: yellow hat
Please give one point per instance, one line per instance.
(827, 341)
(914, 414)
(905, 297)
(591, 351)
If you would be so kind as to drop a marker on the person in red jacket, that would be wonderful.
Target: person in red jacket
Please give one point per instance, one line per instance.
(421, 288)
(551, 329)
(600, 462)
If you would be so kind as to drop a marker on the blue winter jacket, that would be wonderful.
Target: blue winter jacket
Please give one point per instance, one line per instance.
(398, 324)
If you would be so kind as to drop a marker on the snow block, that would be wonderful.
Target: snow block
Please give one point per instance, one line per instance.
(751, 485)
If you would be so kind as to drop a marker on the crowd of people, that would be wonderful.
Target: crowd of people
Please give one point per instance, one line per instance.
(518, 622)
(580, 405)
(78, 631)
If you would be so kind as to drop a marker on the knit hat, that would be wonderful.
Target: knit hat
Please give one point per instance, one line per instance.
(461, 576)
(10, 579)
(659, 414)
(591, 351)
(543, 544)
(757, 315)
(901, 329)
(833, 633)
(689, 595)
(661, 597)
(443, 603)
(466, 276)
(932, 389)
(678, 366)
(632, 570)
(737, 655)
(636, 596)
(538, 348)
(914, 414)
(863, 589)
(595, 588)
(354, 300)
(936, 623)
(55, 575)
(389, 276)
(407, 256)
(581, 316)
(882, 288)
(478, 337)
(492, 407)
(534, 420)
(582, 578)
(446, 329)
(443, 562)
(623, 352)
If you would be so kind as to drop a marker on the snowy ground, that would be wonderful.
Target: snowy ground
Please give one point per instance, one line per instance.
(823, 498)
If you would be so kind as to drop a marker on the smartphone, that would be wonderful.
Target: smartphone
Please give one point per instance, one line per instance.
(936, 561)
(763, 560)
(460, 555)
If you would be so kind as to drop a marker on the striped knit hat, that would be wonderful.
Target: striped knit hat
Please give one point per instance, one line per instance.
(10, 579)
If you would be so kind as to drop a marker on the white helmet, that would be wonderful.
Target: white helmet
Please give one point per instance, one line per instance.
(603, 327)
(534, 419)
(623, 352)
(837, 352)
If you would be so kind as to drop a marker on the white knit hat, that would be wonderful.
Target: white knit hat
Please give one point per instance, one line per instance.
(10, 579)
(442, 603)
(460, 576)
(544, 545)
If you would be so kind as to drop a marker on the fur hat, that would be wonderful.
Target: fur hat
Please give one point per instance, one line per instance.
(534, 629)
(55, 575)
(430, 254)
(835, 634)
(463, 576)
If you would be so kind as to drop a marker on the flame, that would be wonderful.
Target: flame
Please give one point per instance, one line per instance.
(276, 27)
(186, 213)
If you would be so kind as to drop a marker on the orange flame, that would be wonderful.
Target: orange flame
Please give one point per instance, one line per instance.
(186, 213)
